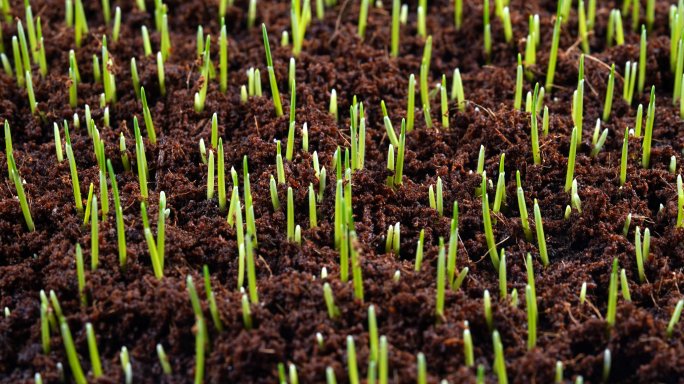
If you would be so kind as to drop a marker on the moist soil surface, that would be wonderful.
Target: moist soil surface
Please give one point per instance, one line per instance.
(132, 308)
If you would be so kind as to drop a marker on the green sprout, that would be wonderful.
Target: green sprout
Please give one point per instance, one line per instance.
(638, 120)
(531, 317)
(212, 300)
(395, 28)
(514, 298)
(468, 348)
(650, 117)
(333, 310)
(351, 360)
(630, 81)
(163, 360)
(625, 285)
(488, 310)
(271, 74)
(612, 295)
(121, 234)
(24, 48)
(372, 334)
(17, 62)
(312, 204)
(200, 97)
(290, 214)
(680, 202)
(72, 355)
(210, 176)
(486, 218)
(419, 250)
(571, 159)
(6, 64)
(457, 90)
(522, 206)
(487, 30)
(31, 95)
(609, 94)
(251, 271)
(551, 71)
(92, 349)
(583, 27)
(201, 339)
(246, 313)
(599, 143)
(625, 228)
(675, 318)
(534, 132)
(619, 32)
(117, 24)
(540, 234)
(642, 59)
(141, 159)
(480, 374)
(398, 177)
(518, 85)
(441, 276)
(157, 265)
(363, 18)
(44, 327)
(333, 104)
(606, 365)
(499, 361)
(583, 293)
(74, 175)
(80, 274)
(639, 256)
(396, 239)
(420, 27)
(126, 365)
(147, 46)
(160, 73)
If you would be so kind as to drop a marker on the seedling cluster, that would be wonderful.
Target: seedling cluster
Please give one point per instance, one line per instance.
(334, 203)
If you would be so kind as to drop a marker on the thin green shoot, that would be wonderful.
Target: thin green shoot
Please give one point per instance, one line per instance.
(625, 228)
(271, 74)
(399, 169)
(534, 131)
(540, 234)
(642, 58)
(499, 361)
(72, 355)
(351, 360)
(147, 46)
(676, 314)
(333, 310)
(312, 204)
(363, 18)
(160, 74)
(468, 348)
(646, 155)
(92, 350)
(251, 270)
(121, 234)
(486, 218)
(606, 365)
(333, 105)
(117, 24)
(599, 144)
(503, 285)
(459, 279)
(518, 86)
(396, 239)
(210, 176)
(571, 159)
(609, 94)
(201, 339)
(583, 293)
(18, 66)
(531, 317)
(441, 284)
(638, 120)
(321, 184)
(419, 250)
(673, 164)
(44, 328)
(420, 27)
(487, 302)
(80, 272)
(624, 285)
(151, 245)
(457, 90)
(551, 71)
(163, 360)
(612, 295)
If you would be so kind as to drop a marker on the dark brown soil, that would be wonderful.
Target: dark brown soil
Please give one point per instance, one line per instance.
(135, 310)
